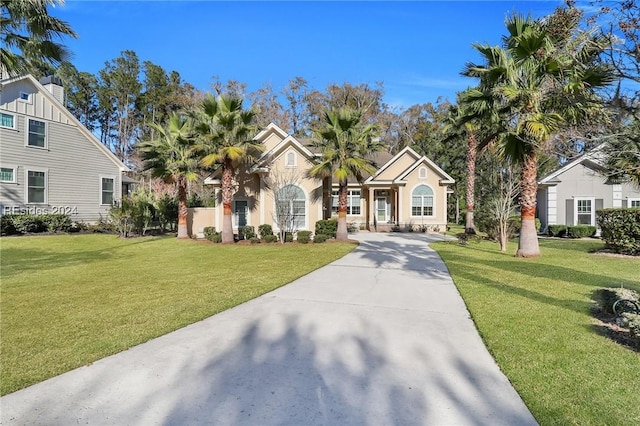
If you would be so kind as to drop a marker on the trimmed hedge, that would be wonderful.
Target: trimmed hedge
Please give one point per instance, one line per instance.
(320, 238)
(327, 227)
(304, 237)
(12, 224)
(270, 238)
(211, 234)
(581, 231)
(264, 230)
(557, 230)
(620, 230)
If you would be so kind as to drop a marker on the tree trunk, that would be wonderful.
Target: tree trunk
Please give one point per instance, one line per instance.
(182, 208)
(470, 227)
(342, 234)
(227, 198)
(528, 241)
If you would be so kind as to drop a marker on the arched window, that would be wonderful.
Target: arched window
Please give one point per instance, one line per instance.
(422, 201)
(290, 159)
(290, 207)
(422, 173)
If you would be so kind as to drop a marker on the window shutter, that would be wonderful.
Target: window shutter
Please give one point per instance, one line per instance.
(569, 212)
(599, 204)
(624, 204)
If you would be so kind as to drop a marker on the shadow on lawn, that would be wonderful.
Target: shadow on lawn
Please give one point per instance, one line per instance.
(16, 260)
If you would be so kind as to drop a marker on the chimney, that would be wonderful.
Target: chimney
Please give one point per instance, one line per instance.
(54, 85)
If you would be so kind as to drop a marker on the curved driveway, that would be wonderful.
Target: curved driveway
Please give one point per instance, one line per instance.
(379, 337)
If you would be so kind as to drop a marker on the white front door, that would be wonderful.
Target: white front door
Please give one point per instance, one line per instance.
(382, 209)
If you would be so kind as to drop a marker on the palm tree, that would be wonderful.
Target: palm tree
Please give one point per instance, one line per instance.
(225, 132)
(539, 81)
(170, 157)
(28, 33)
(346, 145)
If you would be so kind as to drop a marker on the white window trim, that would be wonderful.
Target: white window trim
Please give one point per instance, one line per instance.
(630, 199)
(26, 101)
(26, 185)
(100, 186)
(411, 201)
(14, 121)
(426, 174)
(286, 160)
(306, 212)
(234, 219)
(593, 209)
(15, 173)
(46, 134)
(349, 197)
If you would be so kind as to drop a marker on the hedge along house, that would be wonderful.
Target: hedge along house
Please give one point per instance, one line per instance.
(50, 162)
(572, 194)
(406, 190)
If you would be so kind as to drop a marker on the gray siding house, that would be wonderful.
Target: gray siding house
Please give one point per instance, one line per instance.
(572, 194)
(49, 162)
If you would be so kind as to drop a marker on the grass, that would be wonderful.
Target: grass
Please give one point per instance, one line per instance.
(69, 300)
(534, 316)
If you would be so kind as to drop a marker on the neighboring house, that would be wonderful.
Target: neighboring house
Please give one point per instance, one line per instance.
(572, 194)
(407, 189)
(51, 163)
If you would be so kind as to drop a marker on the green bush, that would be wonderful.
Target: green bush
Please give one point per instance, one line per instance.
(6, 225)
(288, 237)
(557, 230)
(254, 240)
(265, 230)
(327, 227)
(320, 238)
(57, 222)
(606, 297)
(248, 232)
(620, 230)
(211, 234)
(270, 238)
(581, 231)
(632, 322)
(29, 223)
(304, 237)
(166, 212)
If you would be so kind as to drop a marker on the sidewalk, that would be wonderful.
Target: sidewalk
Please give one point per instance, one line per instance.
(379, 337)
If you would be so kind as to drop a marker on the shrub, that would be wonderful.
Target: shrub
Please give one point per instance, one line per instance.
(265, 230)
(248, 232)
(166, 209)
(515, 222)
(395, 228)
(557, 230)
(320, 238)
(352, 227)
(57, 222)
(408, 227)
(581, 231)
(270, 238)
(254, 240)
(6, 225)
(620, 230)
(103, 226)
(606, 297)
(211, 234)
(632, 322)
(29, 223)
(304, 237)
(288, 237)
(327, 227)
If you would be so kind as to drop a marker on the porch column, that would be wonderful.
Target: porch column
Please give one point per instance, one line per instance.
(399, 205)
(262, 201)
(371, 208)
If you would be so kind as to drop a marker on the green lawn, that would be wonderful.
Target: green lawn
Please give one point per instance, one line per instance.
(534, 316)
(69, 300)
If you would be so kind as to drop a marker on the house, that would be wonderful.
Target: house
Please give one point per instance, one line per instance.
(572, 194)
(50, 162)
(407, 189)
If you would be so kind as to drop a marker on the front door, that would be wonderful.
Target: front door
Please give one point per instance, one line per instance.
(382, 209)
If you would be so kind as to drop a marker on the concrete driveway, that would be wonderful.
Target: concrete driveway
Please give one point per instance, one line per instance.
(379, 337)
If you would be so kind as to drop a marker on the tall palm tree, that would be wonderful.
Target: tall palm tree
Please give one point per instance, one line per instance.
(225, 132)
(28, 33)
(539, 81)
(170, 157)
(346, 144)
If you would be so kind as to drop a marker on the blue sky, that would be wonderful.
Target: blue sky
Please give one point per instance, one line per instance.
(417, 49)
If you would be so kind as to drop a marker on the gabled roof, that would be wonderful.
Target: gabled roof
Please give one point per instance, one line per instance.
(271, 128)
(425, 160)
(393, 160)
(591, 159)
(90, 136)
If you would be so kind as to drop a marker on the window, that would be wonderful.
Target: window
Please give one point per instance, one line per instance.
(7, 120)
(291, 159)
(353, 202)
(290, 207)
(422, 201)
(37, 133)
(36, 187)
(240, 213)
(633, 203)
(422, 173)
(106, 186)
(24, 96)
(7, 174)
(584, 211)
